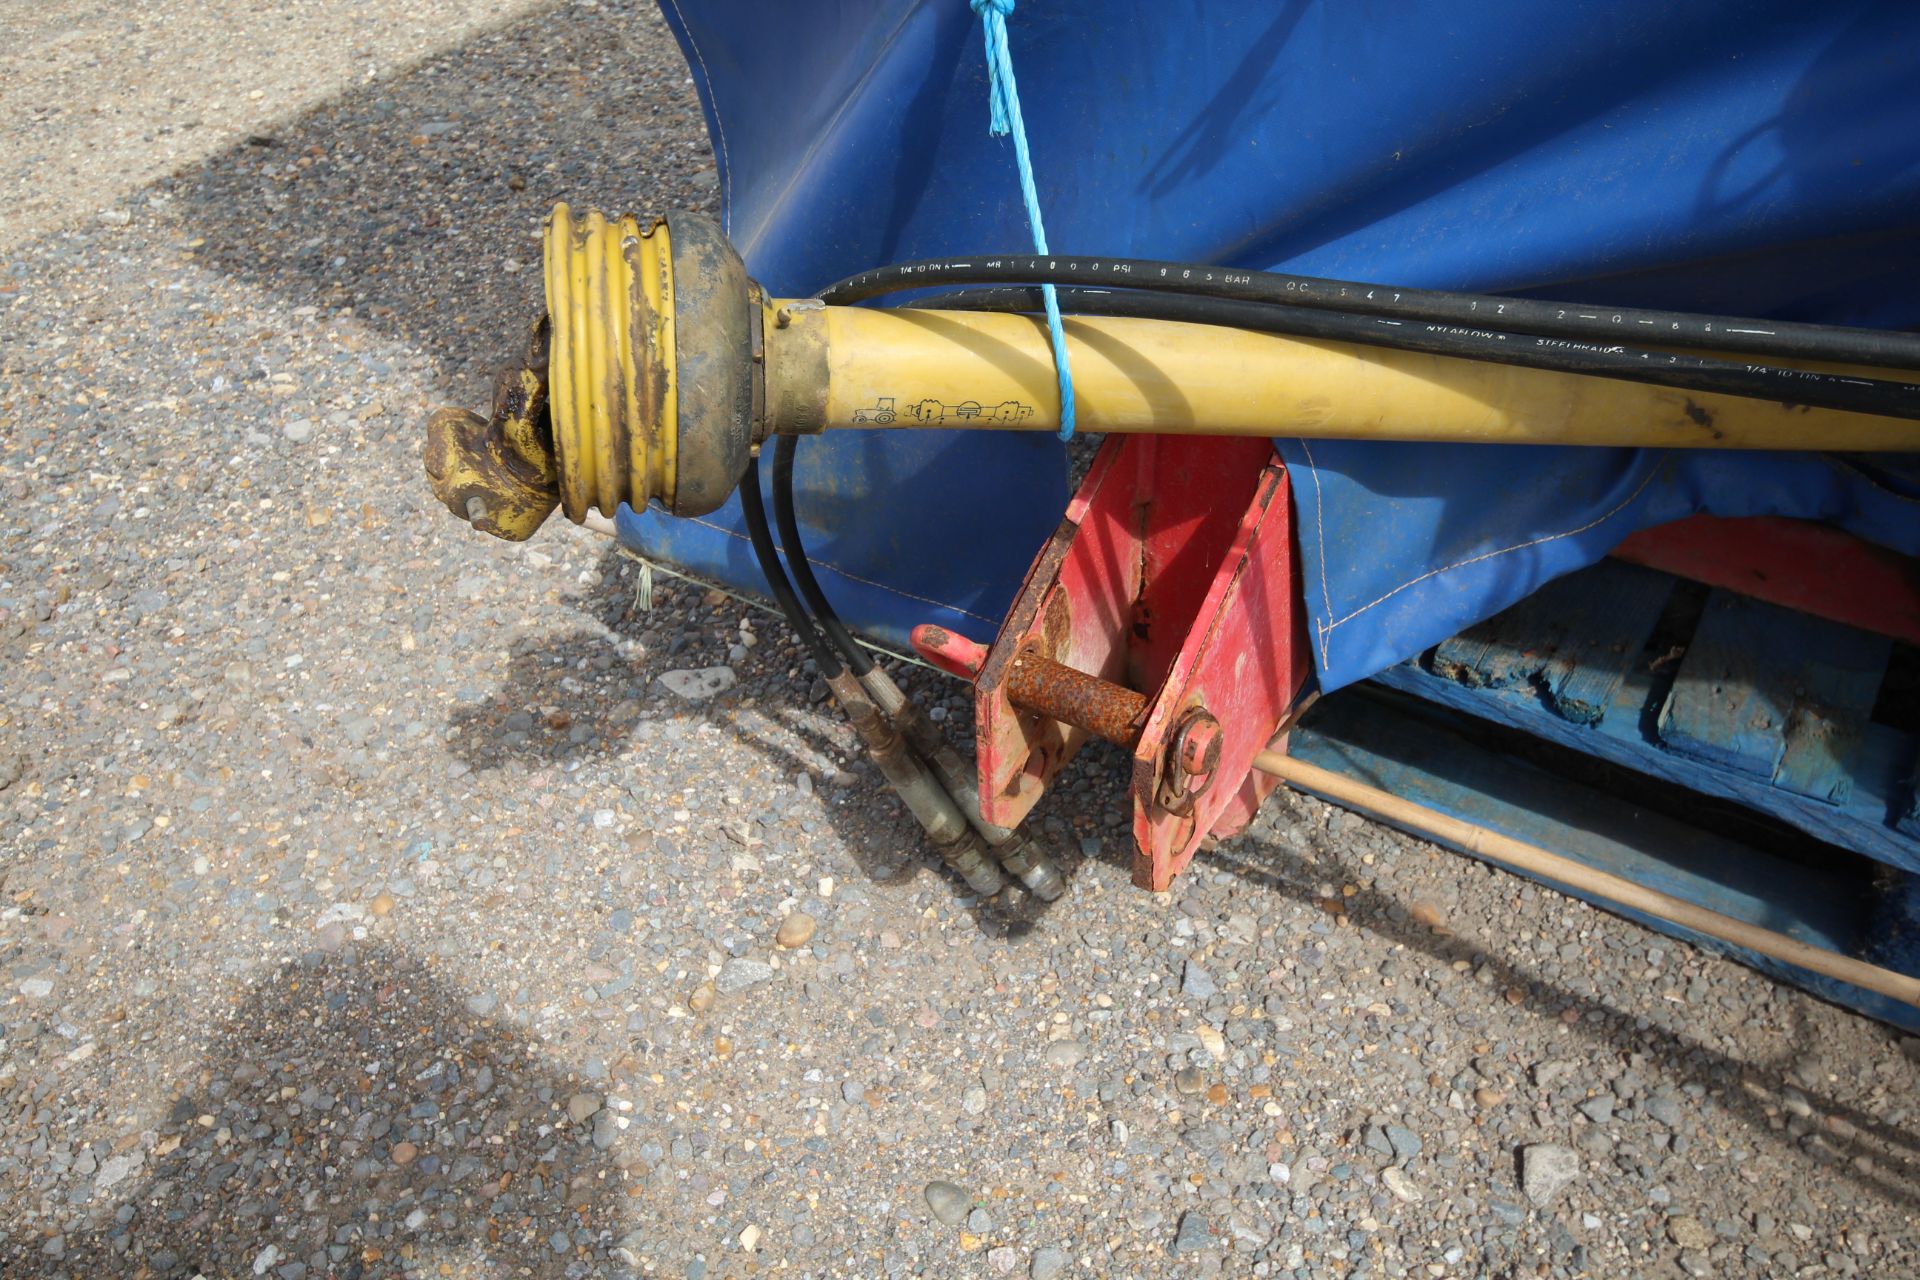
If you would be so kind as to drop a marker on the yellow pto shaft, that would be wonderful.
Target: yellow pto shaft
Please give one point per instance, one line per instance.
(987, 369)
(669, 366)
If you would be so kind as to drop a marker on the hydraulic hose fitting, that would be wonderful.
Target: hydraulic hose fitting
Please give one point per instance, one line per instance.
(1031, 865)
(1026, 860)
(959, 846)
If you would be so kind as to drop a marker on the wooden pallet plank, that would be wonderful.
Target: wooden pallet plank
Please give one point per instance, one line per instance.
(1747, 667)
(1609, 619)
(1626, 737)
(1522, 641)
(1575, 639)
(1734, 689)
(1892, 935)
(1832, 704)
(1507, 649)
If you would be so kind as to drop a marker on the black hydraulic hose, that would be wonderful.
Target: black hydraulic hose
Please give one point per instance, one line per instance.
(755, 513)
(1662, 368)
(823, 612)
(911, 778)
(1580, 321)
(956, 775)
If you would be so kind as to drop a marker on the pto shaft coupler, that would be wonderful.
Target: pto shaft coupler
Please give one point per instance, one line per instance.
(643, 383)
(664, 366)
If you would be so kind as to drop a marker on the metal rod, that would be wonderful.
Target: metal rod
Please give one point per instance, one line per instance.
(1482, 842)
(1052, 689)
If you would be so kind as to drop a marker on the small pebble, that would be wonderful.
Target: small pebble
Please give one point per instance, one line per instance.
(1065, 1053)
(1547, 1168)
(699, 685)
(1048, 1263)
(1690, 1233)
(1194, 1235)
(740, 973)
(795, 931)
(950, 1202)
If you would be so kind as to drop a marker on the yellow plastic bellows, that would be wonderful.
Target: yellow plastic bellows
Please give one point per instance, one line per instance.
(611, 364)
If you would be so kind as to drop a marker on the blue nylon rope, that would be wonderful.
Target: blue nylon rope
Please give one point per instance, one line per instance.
(1004, 119)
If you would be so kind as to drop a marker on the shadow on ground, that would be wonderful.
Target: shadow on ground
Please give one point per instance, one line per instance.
(567, 699)
(418, 201)
(1880, 1158)
(353, 1116)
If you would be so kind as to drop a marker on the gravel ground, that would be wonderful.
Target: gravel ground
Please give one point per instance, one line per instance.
(371, 907)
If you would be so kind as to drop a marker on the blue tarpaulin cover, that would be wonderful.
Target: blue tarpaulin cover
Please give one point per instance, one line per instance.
(1758, 157)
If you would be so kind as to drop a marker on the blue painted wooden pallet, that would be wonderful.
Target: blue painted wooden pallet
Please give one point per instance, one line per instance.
(1419, 751)
(1747, 701)
(1724, 696)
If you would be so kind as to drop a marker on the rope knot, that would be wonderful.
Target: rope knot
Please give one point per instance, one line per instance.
(984, 7)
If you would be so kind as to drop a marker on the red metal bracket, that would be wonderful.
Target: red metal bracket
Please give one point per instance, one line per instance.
(1172, 575)
(1242, 664)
